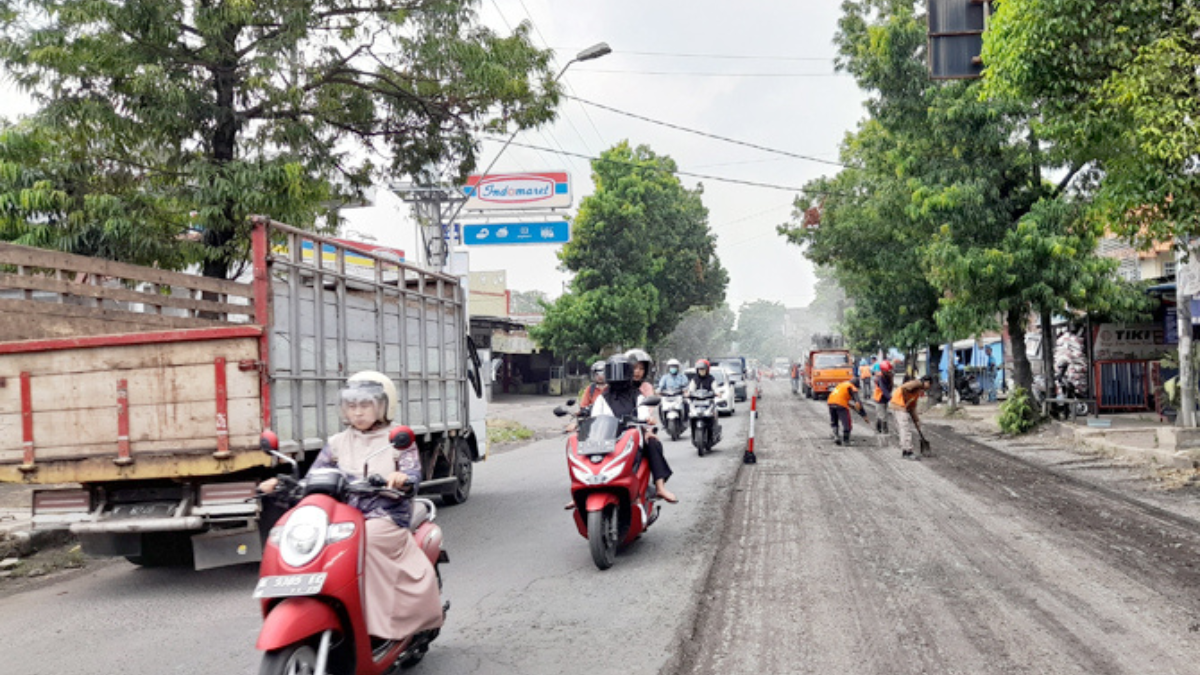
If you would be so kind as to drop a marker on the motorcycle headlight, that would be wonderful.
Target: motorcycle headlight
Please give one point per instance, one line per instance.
(304, 535)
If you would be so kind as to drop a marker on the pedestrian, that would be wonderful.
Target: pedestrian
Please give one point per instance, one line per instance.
(991, 375)
(841, 399)
(904, 409)
(882, 394)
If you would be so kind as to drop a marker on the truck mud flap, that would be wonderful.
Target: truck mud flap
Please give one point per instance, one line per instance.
(218, 548)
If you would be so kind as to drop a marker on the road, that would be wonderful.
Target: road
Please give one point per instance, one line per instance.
(526, 596)
(1020, 560)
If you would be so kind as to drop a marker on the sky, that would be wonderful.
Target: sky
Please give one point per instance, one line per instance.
(757, 71)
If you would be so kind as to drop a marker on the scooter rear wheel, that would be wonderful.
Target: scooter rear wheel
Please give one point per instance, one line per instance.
(602, 536)
(297, 659)
(675, 429)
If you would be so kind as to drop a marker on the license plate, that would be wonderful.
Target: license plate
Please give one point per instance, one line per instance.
(289, 585)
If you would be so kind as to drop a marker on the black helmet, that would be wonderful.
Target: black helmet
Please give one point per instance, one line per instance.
(618, 369)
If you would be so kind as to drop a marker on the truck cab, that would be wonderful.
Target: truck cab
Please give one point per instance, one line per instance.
(825, 369)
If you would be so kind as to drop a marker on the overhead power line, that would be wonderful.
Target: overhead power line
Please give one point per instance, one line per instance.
(706, 134)
(720, 179)
(705, 74)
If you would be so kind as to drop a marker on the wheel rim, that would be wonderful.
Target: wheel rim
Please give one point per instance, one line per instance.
(464, 476)
(303, 661)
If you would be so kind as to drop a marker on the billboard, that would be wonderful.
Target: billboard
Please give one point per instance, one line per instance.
(498, 191)
(493, 234)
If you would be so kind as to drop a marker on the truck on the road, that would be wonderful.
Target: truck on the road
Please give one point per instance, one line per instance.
(825, 369)
(146, 391)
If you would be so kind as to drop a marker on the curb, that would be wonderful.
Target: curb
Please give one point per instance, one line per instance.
(22, 543)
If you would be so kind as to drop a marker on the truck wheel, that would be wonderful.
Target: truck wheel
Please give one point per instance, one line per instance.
(297, 659)
(463, 469)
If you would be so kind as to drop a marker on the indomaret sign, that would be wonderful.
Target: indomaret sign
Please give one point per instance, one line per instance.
(493, 192)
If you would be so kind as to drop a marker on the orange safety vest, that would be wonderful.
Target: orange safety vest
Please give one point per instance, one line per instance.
(878, 395)
(905, 399)
(841, 394)
(864, 372)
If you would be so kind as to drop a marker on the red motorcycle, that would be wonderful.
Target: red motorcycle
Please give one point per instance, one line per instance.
(610, 480)
(310, 582)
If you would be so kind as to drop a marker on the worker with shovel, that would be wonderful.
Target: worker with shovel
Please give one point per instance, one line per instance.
(904, 409)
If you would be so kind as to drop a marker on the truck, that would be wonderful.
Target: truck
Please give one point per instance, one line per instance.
(736, 367)
(824, 369)
(137, 396)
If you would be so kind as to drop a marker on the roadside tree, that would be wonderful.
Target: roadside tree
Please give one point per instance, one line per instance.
(279, 106)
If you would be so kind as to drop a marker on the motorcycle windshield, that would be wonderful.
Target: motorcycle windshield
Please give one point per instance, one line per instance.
(598, 435)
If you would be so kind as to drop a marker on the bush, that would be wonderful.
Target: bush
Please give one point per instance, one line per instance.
(1018, 413)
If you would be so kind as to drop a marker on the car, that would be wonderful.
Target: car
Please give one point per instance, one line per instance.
(726, 398)
(735, 366)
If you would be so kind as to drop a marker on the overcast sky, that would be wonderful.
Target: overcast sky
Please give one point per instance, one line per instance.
(666, 65)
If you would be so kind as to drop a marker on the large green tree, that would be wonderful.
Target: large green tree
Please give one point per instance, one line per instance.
(760, 330)
(227, 107)
(700, 333)
(641, 239)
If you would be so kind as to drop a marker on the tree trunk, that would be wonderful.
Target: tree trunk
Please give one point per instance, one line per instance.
(951, 373)
(1022, 372)
(1048, 352)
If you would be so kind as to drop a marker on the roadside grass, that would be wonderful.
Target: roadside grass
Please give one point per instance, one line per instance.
(49, 561)
(507, 431)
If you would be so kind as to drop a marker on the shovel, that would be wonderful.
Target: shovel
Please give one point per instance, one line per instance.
(926, 451)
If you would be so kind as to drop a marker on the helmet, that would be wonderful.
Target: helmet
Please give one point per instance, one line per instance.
(702, 364)
(369, 385)
(640, 356)
(598, 368)
(618, 369)
(673, 362)
(885, 365)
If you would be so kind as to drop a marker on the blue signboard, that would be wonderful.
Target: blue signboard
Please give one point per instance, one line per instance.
(493, 234)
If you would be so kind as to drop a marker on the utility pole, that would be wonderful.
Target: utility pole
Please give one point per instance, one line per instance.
(1183, 310)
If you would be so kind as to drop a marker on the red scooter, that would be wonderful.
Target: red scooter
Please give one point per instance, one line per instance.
(610, 480)
(310, 582)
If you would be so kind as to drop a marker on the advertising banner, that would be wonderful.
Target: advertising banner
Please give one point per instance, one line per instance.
(1137, 342)
(499, 191)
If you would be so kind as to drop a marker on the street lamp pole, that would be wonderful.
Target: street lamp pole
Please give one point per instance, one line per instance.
(594, 52)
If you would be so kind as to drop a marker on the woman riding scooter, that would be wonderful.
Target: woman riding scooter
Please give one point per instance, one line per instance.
(400, 584)
(622, 399)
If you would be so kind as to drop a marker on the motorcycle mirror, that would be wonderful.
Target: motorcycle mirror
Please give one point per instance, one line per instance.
(570, 402)
(560, 411)
(367, 461)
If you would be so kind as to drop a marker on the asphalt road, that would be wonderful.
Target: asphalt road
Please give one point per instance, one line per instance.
(990, 557)
(526, 596)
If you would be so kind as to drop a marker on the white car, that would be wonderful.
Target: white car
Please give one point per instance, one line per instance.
(726, 396)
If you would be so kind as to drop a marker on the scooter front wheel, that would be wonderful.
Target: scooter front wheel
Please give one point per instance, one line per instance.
(297, 659)
(602, 536)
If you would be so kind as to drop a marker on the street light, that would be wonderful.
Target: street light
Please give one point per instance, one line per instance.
(594, 52)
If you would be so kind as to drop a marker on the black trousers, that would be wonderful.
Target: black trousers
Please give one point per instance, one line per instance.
(838, 414)
(658, 463)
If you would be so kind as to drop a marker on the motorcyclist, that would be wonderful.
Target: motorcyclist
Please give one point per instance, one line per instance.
(703, 380)
(673, 378)
(596, 388)
(622, 398)
(397, 577)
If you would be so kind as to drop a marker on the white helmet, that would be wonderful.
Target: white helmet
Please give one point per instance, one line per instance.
(673, 362)
(371, 385)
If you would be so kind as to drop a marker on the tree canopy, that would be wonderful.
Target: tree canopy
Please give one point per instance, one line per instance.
(152, 111)
(642, 254)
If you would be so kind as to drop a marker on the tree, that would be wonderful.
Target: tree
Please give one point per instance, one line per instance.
(528, 302)
(760, 330)
(699, 334)
(641, 235)
(1117, 93)
(281, 107)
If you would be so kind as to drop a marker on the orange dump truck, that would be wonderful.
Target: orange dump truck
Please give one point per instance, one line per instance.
(824, 369)
(148, 390)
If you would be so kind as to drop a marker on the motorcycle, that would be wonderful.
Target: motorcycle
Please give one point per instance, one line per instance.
(672, 413)
(706, 433)
(968, 388)
(611, 490)
(310, 581)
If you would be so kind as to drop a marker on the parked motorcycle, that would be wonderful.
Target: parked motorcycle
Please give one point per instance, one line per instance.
(310, 582)
(672, 413)
(968, 388)
(706, 433)
(610, 479)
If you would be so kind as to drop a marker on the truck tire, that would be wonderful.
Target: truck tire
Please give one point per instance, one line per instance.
(464, 471)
